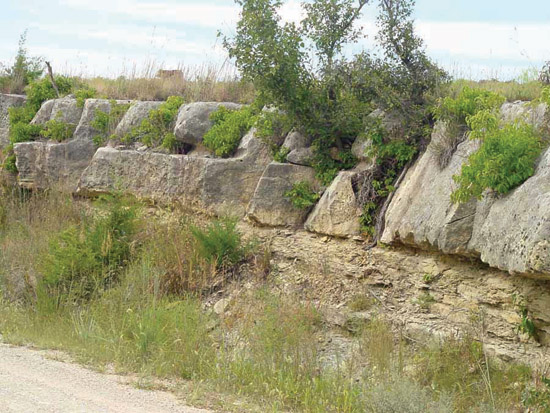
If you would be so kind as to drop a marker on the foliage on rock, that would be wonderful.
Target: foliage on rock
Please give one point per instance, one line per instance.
(156, 129)
(106, 122)
(229, 128)
(507, 153)
(302, 195)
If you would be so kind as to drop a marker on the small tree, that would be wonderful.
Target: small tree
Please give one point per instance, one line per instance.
(25, 69)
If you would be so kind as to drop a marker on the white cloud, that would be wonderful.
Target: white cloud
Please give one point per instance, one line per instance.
(214, 16)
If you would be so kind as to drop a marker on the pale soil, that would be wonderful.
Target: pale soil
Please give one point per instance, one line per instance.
(31, 382)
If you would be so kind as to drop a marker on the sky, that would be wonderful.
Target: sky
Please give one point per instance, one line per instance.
(477, 39)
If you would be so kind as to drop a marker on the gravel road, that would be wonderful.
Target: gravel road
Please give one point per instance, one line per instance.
(29, 382)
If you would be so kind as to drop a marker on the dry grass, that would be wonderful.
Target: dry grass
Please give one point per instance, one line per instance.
(194, 84)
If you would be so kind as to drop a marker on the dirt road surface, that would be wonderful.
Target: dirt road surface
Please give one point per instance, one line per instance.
(30, 382)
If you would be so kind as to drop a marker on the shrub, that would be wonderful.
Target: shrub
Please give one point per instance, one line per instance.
(272, 127)
(302, 196)
(24, 70)
(229, 128)
(24, 132)
(505, 159)
(156, 129)
(82, 94)
(57, 130)
(87, 258)
(220, 243)
(106, 122)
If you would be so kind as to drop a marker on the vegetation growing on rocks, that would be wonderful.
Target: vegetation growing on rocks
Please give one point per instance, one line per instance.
(229, 128)
(302, 195)
(105, 122)
(157, 129)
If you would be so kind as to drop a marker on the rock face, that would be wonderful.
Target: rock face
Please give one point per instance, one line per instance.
(135, 114)
(63, 109)
(222, 186)
(511, 232)
(295, 140)
(269, 206)
(194, 120)
(300, 156)
(337, 212)
(42, 164)
(45, 165)
(6, 102)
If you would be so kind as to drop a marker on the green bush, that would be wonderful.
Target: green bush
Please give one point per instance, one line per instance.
(156, 130)
(229, 128)
(505, 159)
(57, 130)
(82, 94)
(302, 196)
(271, 128)
(24, 132)
(87, 258)
(456, 111)
(106, 122)
(220, 243)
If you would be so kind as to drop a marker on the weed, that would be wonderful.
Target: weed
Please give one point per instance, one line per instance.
(302, 196)
(220, 243)
(106, 122)
(361, 302)
(57, 130)
(425, 300)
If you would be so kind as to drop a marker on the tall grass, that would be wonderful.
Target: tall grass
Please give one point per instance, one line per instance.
(267, 346)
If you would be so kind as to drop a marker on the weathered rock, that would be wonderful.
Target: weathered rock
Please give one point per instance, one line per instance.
(360, 147)
(422, 214)
(511, 232)
(194, 120)
(45, 165)
(269, 206)
(133, 118)
(300, 156)
(64, 109)
(44, 114)
(295, 140)
(6, 102)
(222, 186)
(337, 212)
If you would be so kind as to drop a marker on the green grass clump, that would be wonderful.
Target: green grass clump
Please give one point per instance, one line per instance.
(156, 129)
(88, 257)
(220, 243)
(302, 195)
(229, 128)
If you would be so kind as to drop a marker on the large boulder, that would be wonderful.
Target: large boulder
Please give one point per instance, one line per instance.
(134, 116)
(511, 232)
(64, 109)
(301, 156)
(295, 140)
(269, 206)
(220, 186)
(44, 165)
(194, 120)
(6, 102)
(337, 213)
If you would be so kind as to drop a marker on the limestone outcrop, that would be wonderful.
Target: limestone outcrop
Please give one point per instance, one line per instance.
(46, 164)
(337, 212)
(134, 116)
(269, 206)
(64, 109)
(6, 102)
(221, 186)
(511, 232)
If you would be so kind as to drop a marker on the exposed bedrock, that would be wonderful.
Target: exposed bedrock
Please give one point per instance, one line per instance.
(44, 164)
(221, 186)
(511, 232)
